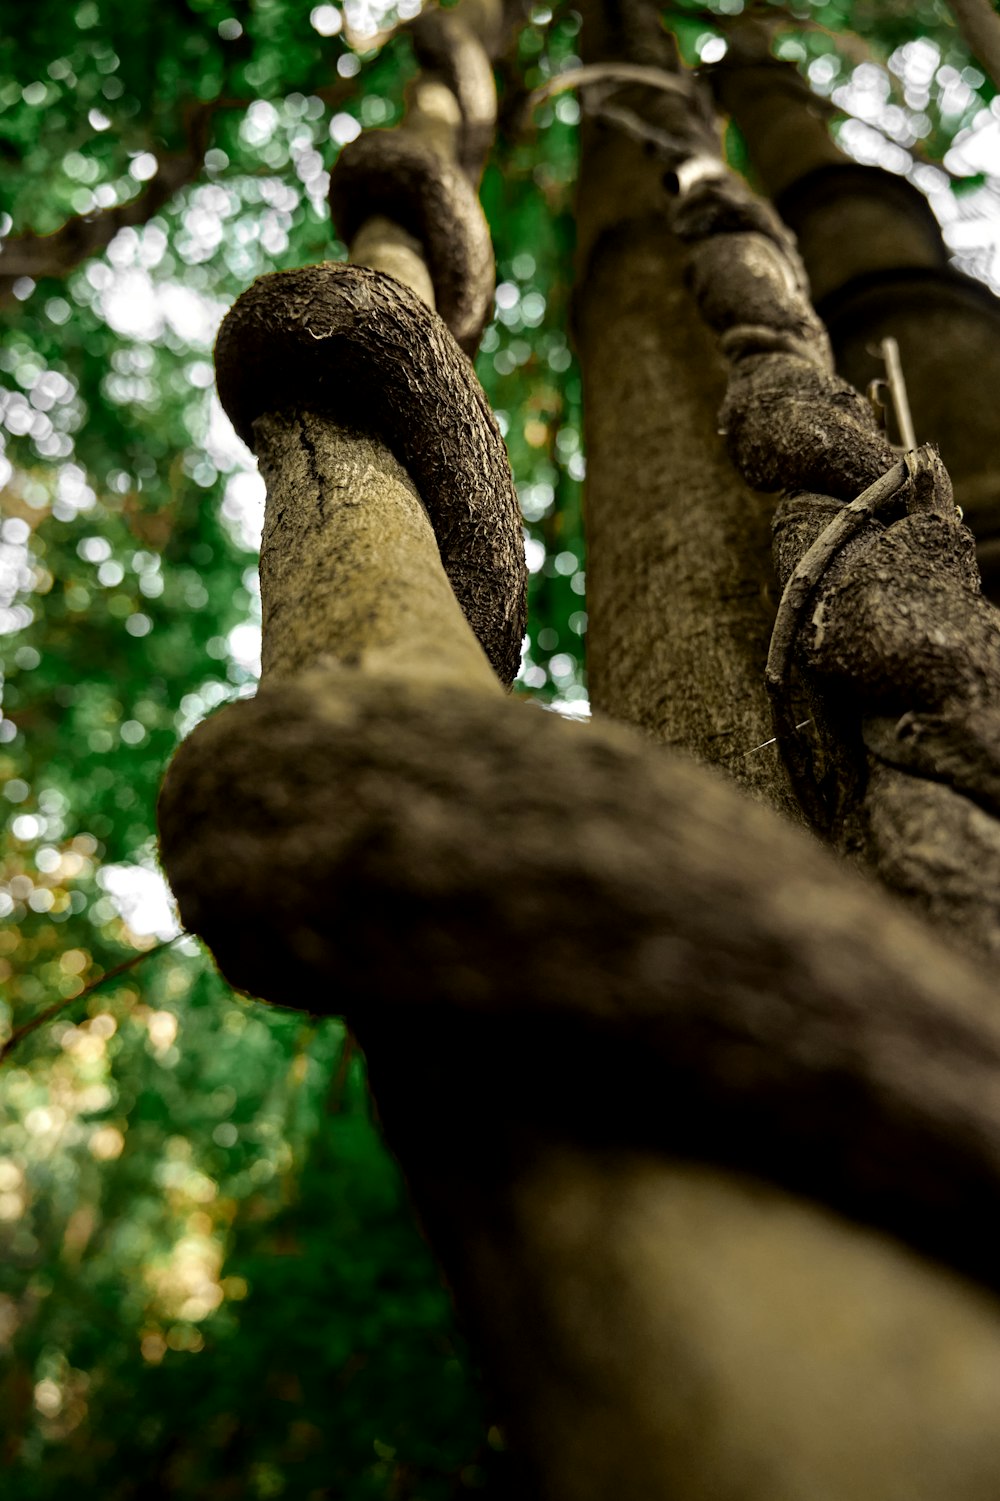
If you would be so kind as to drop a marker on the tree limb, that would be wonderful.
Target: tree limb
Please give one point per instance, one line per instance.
(54, 255)
(980, 27)
(58, 1007)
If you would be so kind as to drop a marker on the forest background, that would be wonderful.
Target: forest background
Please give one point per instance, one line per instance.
(210, 1280)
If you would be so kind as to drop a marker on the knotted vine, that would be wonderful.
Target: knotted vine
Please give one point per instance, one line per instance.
(547, 934)
(884, 671)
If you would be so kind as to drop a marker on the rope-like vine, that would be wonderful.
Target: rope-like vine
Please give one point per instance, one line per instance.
(882, 626)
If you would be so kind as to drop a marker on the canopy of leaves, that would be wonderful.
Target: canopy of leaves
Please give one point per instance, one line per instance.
(211, 1284)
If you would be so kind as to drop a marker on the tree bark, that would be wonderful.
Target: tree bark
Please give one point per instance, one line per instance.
(336, 495)
(606, 972)
(679, 576)
(639, 1044)
(878, 266)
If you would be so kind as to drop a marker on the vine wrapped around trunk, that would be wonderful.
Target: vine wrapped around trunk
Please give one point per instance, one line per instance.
(897, 651)
(878, 266)
(639, 1044)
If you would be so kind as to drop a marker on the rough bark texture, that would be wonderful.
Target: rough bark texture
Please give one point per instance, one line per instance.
(596, 945)
(388, 174)
(603, 996)
(790, 422)
(349, 567)
(878, 266)
(678, 567)
(405, 198)
(896, 631)
(878, 627)
(352, 344)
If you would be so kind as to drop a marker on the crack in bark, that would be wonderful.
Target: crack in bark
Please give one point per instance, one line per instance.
(309, 447)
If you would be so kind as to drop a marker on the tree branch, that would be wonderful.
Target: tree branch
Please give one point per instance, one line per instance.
(53, 255)
(58, 1007)
(980, 27)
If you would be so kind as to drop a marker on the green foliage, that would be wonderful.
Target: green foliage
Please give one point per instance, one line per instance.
(218, 1287)
(211, 1283)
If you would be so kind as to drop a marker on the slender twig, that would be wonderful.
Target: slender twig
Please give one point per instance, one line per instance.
(591, 73)
(797, 597)
(59, 1006)
(897, 392)
(811, 568)
(773, 740)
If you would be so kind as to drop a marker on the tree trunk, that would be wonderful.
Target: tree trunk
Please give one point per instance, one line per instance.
(644, 1050)
(679, 578)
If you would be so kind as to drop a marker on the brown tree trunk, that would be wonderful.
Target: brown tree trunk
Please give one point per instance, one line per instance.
(639, 1044)
(679, 577)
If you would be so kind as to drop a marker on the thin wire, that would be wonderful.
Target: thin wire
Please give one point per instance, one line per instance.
(774, 739)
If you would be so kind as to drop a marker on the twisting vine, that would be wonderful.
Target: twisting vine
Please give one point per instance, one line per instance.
(885, 667)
